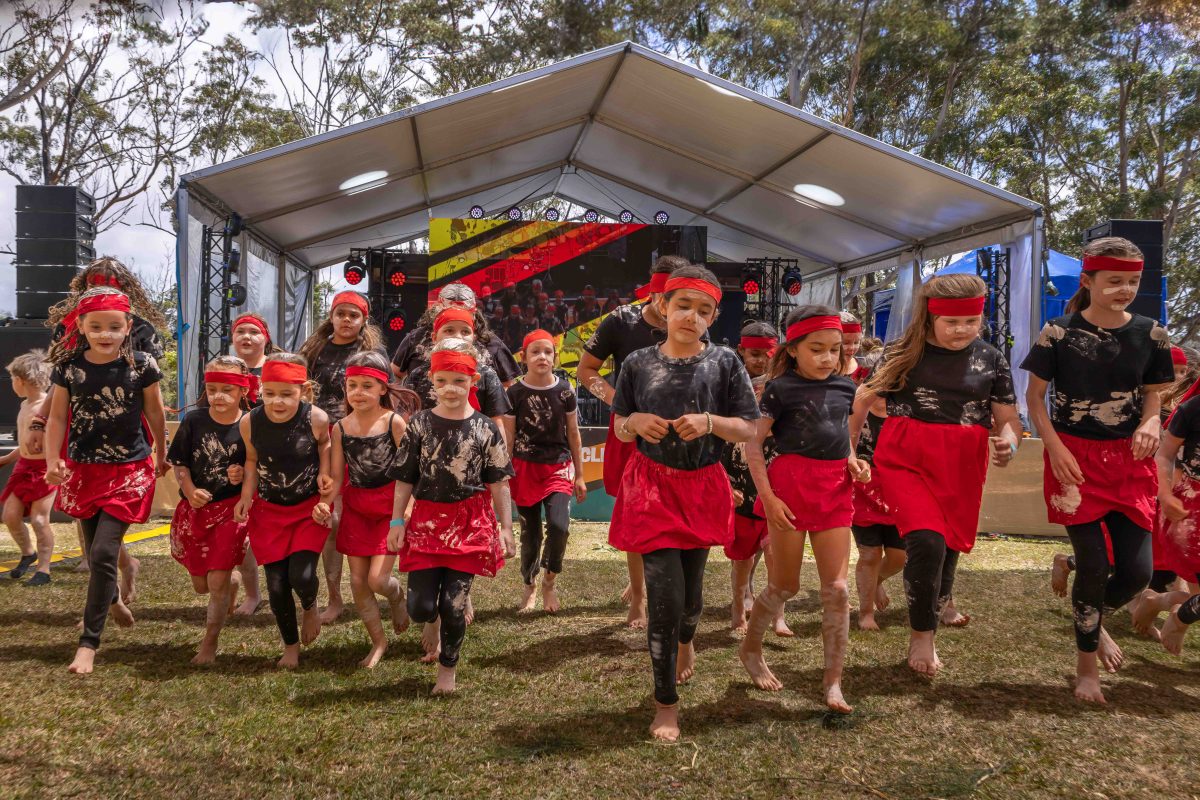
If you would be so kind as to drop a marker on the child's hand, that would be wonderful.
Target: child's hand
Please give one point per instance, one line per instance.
(650, 427)
(395, 539)
(324, 483)
(35, 440)
(580, 490)
(161, 467)
(738, 497)
(241, 511)
(1146, 438)
(691, 426)
(778, 514)
(1064, 466)
(506, 539)
(236, 473)
(199, 498)
(321, 514)
(56, 471)
(859, 470)
(1002, 450)
(1172, 506)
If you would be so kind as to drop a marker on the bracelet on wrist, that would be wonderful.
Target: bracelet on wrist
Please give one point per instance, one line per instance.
(396, 523)
(708, 417)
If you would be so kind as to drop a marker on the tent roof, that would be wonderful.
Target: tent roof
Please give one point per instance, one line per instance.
(1058, 265)
(623, 127)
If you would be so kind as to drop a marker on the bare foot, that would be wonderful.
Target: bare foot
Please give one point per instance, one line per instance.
(882, 598)
(866, 622)
(1059, 573)
(1144, 611)
(922, 657)
(310, 626)
(528, 599)
(752, 659)
(290, 658)
(128, 581)
(207, 653)
(627, 593)
(738, 616)
(636, 618)
(445, 683)
(665, 726)
(373, 657)
(82, 566)
(1109, 653)
(685, 663)
(953, 619)
(431, 641)
(85, 657)
(781, 628)
(235, 583)
(121, 614)
(469, 611)
(249, 607)
(400, 620)
(1087, 679)
(550, 602)
(835, 701)
(1172, 634)
(332, 611)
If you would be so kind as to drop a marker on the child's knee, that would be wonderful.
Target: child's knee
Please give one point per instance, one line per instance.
(784, 588)
(422, 608)
(14, 515)
(835, 594)
(379, 584)
(870, 556)
(360, 583)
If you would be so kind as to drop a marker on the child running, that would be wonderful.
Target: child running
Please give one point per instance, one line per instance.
(852, 338)
(27, 494)
(365, 442)
(680, 401)
(806, 407)
(1179, 501)
(205, 537)
(547, 458)
(107, 406)
(453, 460)
(946, 390)
(1107, 367)
(287, 461)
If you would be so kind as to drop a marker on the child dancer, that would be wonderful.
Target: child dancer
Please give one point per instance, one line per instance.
(543, 439)
(347, 330)
(946, 389)
(287, 458)
(106, 405)
(680, 401)
(628, 328)
(27, 494)
(806, 405)
(453, 460)
(1107, 366)
(852, 337)
(364, 445)
(205, 537)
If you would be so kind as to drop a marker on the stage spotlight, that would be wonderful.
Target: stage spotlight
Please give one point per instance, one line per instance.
(793, 282)
(237, 295)
(233, 225)
(752, 281)
(476, 212)
(396, 277)
(355, 270)
(625, 217)
(514, 214)
(395, 320)
(232, 261)
(552, 215)
(591, 216)
(662, 218)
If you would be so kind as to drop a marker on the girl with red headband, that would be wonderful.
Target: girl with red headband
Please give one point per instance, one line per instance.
(205, 538)
(806, 407)
(852, 337)
(625, 330)
(946, 391)
(1107, 367)
(680, 402)
(287, 459)
(347, 330)
(547, 457)
(758, 343)
(454, 462)
(365, 443)
(107, 408)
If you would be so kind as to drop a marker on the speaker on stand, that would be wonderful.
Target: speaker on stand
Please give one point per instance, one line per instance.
(1147, 234)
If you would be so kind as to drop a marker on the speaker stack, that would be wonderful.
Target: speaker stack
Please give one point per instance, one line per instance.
(398, 291)
(1147, 234)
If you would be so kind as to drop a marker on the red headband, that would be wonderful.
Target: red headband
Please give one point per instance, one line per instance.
(109, 301)
(231, 378)
(673, 284)
(851, 327)
(246, 319)
(452, 361)
(1111, 264)
(454, 314)
(806, 326)
(657, 285)
(368, 372)
(1178, 357)
(538, 335)
(283, 372)
(353, 298)
(758, 342)
(96, 279)
(956, 306)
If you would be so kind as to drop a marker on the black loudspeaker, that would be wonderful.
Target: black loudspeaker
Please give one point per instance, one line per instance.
(54, 238)
(54, 252)
(16, 338)
(398, 290)
(1147, 234)
(51, 225)
(55, 199)
(44, 279)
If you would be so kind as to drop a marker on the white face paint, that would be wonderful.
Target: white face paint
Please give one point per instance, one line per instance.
(451, 388)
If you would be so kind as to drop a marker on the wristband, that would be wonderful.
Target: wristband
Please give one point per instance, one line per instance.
(708, 417)
(625, 428)
(396, 523)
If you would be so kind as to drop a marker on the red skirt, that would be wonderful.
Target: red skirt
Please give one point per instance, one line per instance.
(933, 477)
(366, 515)
(1158, 543)
(462, 536)
(534, 482)
(870, 507)
(749, 536)
(207, 539)
(278, 531)
(658, 506)
(1181, 540)
(1112, 481)
(817, 491)
(28, 482)
(126, 491)
(616, 456)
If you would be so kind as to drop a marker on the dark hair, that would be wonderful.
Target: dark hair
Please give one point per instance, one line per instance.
(270, 347)
(404, 402)
(60, 353)
(696, 272)
(1106, 246)
(782, 361)
(754, 327)
(227, 363)
(668, 264)
(369, 337)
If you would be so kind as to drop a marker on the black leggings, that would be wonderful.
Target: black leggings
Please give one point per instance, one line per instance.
(1160, 580)
(102, 535)
(674, 603)
(441, 592)
(558, 517)
(1099, 588)
(296, 573)
(1189, 612)
(928, 578)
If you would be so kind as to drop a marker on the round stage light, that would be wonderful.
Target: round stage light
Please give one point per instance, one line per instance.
(793, 282)
(397, 278)
(552, 215)
(625, 217)
(237, 295)
(591, 216)
(362, 180)
(355, 270)
(396, 320)
(514, 214)
(476, 212)
(750, 286)
(662, 218)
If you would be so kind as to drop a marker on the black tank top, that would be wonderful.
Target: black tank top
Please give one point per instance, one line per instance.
(288, 461)
(368, 457)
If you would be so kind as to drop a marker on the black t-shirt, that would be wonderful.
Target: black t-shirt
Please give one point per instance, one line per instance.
(368, 457)
(869, 436)
(493, 402)
(288, 459)
(955, 387)
(106, 408)
(738, 469)
(541, 421)
(715, 381)
(620, 334)
(412, 350)
(449, 460)
(144, 338)
(207, 448)
(1098, 373)
(1185, 424)
(329, 373)
(811, 417)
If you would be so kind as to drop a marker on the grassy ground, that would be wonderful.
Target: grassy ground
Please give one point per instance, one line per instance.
(558, 707)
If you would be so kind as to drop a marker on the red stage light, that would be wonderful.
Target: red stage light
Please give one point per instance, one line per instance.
(395, 320)
(397, 279)
(750, 286)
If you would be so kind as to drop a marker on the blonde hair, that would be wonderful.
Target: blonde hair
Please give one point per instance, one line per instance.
(62, 353)
(456, 345)
(308, 392)
(1107, 246)
(906, 353)
(31, 367)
